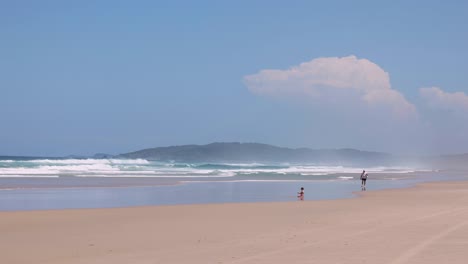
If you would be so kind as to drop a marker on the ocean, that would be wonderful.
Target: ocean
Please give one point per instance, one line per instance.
(39, 184)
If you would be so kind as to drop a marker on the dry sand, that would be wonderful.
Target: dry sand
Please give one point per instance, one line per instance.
(426, 224)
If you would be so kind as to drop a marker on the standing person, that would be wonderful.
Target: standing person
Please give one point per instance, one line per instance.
(300, 194)
(363, 182)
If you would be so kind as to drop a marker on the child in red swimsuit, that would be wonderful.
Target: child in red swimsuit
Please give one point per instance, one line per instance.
(300, 194)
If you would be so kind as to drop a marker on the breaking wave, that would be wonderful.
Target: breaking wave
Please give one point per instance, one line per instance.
(157, 169)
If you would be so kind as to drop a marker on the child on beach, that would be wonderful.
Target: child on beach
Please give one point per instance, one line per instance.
(300, 194)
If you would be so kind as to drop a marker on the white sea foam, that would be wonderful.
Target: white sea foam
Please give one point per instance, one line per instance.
(150, 176)
(82, 161)
(145, 168)
(244, 164)
(313, 174)
(28, 176)
(26, 171)
(246, 180)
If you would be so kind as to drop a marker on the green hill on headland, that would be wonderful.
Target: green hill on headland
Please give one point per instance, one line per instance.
(256, 152)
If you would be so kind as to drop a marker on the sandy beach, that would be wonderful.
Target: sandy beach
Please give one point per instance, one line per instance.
(423, 224)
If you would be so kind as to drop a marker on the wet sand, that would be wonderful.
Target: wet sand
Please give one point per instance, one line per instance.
(423, 224)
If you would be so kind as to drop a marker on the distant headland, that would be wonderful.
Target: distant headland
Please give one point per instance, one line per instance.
(257, 152)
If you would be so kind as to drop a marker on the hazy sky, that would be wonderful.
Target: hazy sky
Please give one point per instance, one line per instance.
(80, 77)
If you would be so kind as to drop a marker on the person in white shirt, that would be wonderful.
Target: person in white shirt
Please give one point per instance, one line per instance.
(363, 178)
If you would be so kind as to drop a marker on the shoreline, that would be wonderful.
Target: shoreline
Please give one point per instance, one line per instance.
(205, 192)
(426, 223)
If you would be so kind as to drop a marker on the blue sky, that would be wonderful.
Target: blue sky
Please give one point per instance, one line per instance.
(80, 77)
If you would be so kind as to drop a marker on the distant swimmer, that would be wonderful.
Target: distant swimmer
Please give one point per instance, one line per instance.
(300, 194)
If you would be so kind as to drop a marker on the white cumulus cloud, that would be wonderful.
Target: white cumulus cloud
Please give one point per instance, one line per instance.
(347, 81)
(439, 99)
